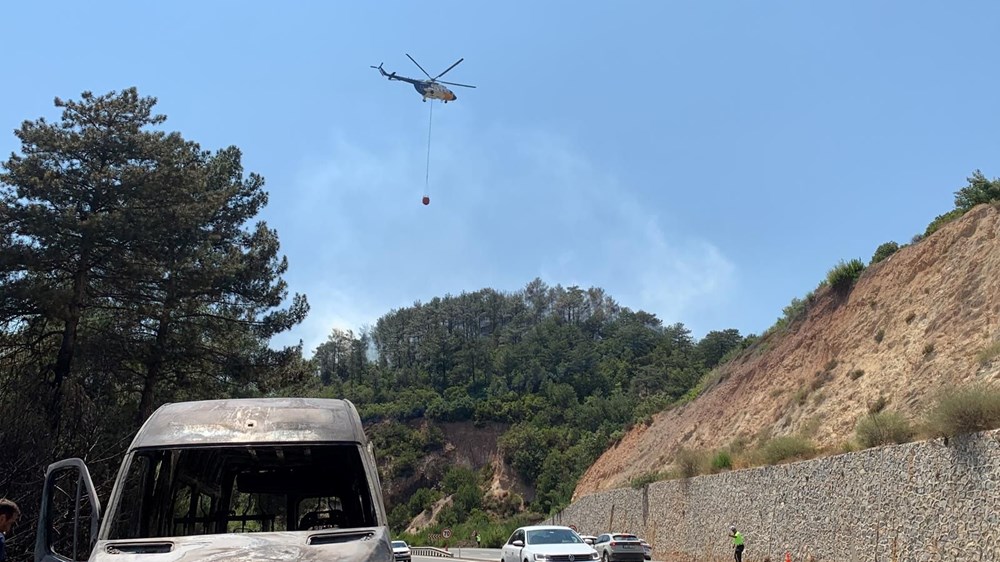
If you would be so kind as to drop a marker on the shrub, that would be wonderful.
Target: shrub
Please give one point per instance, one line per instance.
(928, 348)
(795, 310)
(456, 478)
(800, 395)
(737, 445)
(708, 380)
(844, 274)
(910, 317)
(883, 428)
(979, 190)
(878, 405)
(987, 355)
(847, 446)
(856, 374)
(503, 505)
(646, 478)
(785, 448)
(722, 461)
(942, 220)
(879, 335)
(811, 425)
(821, 378)
(965, 410)
(885, 250)
(690, 462)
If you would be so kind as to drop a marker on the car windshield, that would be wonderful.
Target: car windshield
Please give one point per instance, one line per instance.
(243, 489)
(398, 544)
(625, 538)
(553, 536)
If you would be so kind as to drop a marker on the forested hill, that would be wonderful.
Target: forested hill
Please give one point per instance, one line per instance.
(561, 370)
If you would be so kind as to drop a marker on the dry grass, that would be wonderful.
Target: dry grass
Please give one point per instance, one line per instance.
(987, 355)
(883, 428)
(789, 447)
(691, 462)
(968, 409)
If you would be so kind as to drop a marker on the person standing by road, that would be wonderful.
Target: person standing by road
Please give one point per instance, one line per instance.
(737, 544)
(9, 514)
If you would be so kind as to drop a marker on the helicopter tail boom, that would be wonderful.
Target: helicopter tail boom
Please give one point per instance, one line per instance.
(389, 75)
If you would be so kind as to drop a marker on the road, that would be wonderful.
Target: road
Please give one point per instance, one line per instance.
(477, 554)
(473, 554)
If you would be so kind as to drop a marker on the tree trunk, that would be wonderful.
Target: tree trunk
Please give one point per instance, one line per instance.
(64, 359)
(154, 366)
(148, 389)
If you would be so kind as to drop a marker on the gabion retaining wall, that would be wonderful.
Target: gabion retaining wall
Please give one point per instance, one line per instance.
(936, 500)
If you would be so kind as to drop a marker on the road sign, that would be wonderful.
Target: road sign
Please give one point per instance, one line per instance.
(446, 533)
(572, 527)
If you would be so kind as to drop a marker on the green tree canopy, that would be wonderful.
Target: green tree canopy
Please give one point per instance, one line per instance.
(979, 190)
(138, 239)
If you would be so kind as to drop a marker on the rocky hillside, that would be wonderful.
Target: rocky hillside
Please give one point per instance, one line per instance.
(467, 445)
(912, 323)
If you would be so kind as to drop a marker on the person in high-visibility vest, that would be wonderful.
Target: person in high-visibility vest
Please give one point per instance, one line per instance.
(737, 544)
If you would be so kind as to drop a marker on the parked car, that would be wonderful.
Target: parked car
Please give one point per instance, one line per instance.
(647, 549)
(589, 539)
(619, 547)
(401, 551)
(546, 543)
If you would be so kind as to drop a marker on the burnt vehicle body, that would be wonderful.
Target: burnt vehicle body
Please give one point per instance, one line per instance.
(226, 480)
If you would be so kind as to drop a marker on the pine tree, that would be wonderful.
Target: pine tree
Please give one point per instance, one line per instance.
(141, 240)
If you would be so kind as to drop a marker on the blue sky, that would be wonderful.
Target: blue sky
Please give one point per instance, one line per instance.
(704, 161)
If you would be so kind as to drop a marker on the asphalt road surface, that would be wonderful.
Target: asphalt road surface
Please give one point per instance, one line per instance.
(490, 554)
(474, 554)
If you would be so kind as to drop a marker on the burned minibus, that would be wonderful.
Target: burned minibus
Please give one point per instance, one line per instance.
(241, 480)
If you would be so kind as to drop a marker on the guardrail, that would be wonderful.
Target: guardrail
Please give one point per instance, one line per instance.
(430, 551)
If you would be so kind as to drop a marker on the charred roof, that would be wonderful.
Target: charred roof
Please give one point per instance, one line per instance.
(252, 420)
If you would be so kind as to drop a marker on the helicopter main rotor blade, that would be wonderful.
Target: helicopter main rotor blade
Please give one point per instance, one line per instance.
(454, 84)
(447, 69)
(418, 66)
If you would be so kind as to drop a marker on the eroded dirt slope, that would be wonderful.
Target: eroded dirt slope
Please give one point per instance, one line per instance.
(912, 324)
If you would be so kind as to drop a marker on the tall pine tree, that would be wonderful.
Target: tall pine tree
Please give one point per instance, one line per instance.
(142, 241)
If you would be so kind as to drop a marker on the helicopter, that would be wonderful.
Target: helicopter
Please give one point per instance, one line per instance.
(431, 88)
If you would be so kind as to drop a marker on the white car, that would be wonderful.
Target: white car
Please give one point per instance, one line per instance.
(589, 539)
(400, 551)
(546, 543)
(620, 547)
